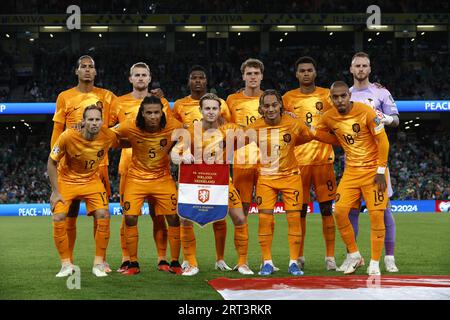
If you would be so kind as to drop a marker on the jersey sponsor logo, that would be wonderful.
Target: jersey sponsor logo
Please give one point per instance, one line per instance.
(77, 155)
(139, 141)
(186, 113)
(203, 195)
(126, 113)
(239, 109)
(295, 108)
(356, 128)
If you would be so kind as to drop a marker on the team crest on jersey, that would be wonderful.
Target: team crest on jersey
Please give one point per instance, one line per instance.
(100, 154)
(258, 200)
(163, 143)
(287, 138)
(55, 150)
(99, 104)
(319, 106)
(356, 128)
(203, 195)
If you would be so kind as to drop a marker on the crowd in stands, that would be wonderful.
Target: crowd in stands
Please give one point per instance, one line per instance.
(419, 165)
(414, 73)
(218, 6)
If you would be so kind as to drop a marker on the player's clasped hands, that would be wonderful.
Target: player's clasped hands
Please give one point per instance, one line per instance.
(380, 180)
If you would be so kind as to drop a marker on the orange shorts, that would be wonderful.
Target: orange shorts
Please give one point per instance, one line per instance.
(322, 178)
(234, 199)
(161, 192)
(104, 177)
(357, 182)
(244, 180)
(290, 187)
(93, 193)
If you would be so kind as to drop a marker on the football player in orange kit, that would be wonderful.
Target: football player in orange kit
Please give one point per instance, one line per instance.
(315, 159)
(79, 153)
(70, 106)
(123, 108)
(149, 176)
(361, 134)
(187, 110)
(277, 136)
(210, 107)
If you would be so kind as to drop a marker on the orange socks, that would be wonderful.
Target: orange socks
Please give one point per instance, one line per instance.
(123, 241)
(102, 237)
(328, 230)
(220, 235)
(61, 239)
(345, 228)
(294, 233)
(71, 229)
(303, 232)
(265, 234)
(241, 243)
(189, 244)
(175, 243)
(160, 236)
(377, 233)
(131, 238)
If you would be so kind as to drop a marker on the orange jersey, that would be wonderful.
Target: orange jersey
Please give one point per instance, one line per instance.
(70, 105)
(310, 108)
(355, 132)
(282, 159)
(187, 110)
(150, 158)
(126, 107)
(212, 141)
(81, 157)
(244, 111)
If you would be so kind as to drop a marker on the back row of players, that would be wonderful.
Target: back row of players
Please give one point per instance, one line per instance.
(146, 121)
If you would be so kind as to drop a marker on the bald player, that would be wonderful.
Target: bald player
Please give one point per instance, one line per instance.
(70, 106)
(187, 110)
(315, 159)
(123, 108)
(384, 106)
(361, 134)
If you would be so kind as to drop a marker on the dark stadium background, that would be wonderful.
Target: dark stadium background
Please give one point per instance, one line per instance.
(409, 59)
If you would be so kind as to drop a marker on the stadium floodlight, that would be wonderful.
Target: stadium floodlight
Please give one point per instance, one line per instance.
(7, 35)
(333, 27)
(99, 27)
(286, 27)
(193, 27)
(422, 26)
(146, 27)
(53, 27)
(240, 27)
(378, 27)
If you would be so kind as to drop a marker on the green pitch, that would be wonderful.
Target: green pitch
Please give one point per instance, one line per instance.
(29, 260)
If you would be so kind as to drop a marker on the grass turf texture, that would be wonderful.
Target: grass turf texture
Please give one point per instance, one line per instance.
(29, 260)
